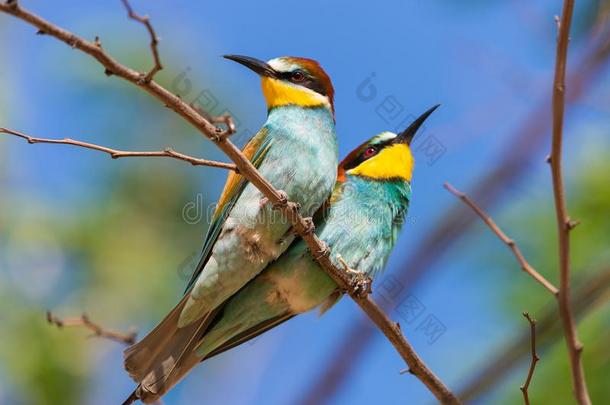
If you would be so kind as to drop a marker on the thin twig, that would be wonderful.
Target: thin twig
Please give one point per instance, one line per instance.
(525, 266)
(432, 246)
(116, 153)
(154, 40)
(96, 329)
(564, 224)
(524, 388)
(225, 119)
(302, 226)
(128, 339)
(590, 292)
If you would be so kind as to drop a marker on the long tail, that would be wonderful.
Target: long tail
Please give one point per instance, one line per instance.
(164, 356)
(132, 398)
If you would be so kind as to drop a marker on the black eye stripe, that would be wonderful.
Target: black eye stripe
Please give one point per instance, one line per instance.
(361, 158)
(308, 81)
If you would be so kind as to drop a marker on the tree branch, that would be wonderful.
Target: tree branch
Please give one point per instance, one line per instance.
(116, 153)
(522, 143)
(524, 388)
(127, 339)
(303, 227)
(525, 266)
(154, 40)
(590, 292)
(96, 329)
(564, 224)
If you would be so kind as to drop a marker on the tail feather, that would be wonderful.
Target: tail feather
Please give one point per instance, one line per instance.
(140, 358)
(165, 355)
(132, 398)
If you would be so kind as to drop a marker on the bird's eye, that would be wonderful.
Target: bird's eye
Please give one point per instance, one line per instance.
(369, 152)
(297, 76)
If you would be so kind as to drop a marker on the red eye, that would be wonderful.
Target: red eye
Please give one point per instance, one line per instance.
(297, 76)
(370, 152)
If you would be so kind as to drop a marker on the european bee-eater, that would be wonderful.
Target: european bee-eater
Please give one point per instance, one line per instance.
(361, 222)
(296, 151)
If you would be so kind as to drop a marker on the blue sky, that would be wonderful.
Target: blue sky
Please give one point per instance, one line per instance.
(488, 63)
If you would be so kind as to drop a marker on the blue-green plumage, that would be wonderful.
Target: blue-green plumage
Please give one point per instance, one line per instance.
(296, 152)
(252, 234)
(361, 224)
(253, 275)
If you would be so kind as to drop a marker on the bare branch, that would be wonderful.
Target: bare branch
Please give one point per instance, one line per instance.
(301, 225)
(96, 329)
(525, 266)
(524, 388)
(113, 67)
(116, 153)
(564, 224)
(225, 119)
(432, 246)
(590, 292)
(154, 40)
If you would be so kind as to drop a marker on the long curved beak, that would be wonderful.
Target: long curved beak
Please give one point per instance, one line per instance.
(258, 66)
(408, 134)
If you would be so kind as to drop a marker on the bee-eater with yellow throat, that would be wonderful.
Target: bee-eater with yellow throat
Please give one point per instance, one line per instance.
(360, 222)
(296, 151)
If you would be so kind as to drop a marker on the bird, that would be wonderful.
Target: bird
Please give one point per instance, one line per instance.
(246, 233)
(360, 224)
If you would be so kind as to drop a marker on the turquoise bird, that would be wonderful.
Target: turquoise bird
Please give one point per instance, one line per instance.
(360, 224)
(247, 234)
(360, 221)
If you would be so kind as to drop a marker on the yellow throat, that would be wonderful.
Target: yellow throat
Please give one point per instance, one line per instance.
(392, 162)
(278, 93)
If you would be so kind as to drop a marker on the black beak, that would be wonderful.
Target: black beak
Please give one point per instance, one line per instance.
(260, 67)
(408, 134)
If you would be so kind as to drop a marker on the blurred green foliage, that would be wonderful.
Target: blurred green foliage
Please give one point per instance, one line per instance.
(122, 252)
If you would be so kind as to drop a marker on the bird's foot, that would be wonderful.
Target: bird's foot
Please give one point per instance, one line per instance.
(280, 203)
(282, 200)
(360, 283)
(324, 251)
(309, 225)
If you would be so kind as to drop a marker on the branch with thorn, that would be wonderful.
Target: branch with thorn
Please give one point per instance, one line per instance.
(154, 41)
(592, 290)
(361, 282)
(116, 153)
(225, 119)
(525, 266)
(565, 311)
(450, 228)
(96, 329)
(524, 388)
(221, 138)
(564, 224)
